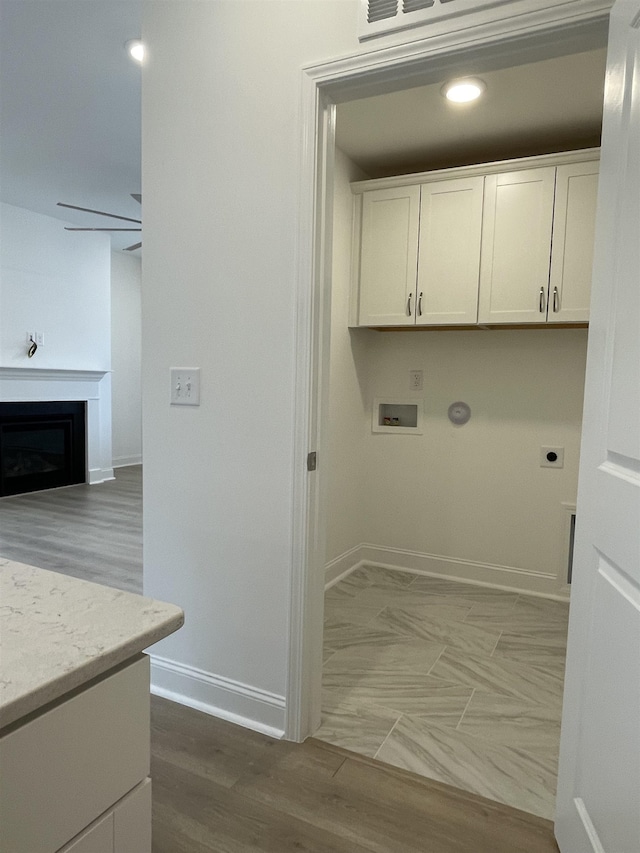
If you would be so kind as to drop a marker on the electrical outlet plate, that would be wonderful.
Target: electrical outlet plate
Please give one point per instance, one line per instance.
(185, 386)
(547, 455)
(415, 380)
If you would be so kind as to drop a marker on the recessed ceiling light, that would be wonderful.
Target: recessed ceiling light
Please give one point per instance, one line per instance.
(135, 49)
(465, 90)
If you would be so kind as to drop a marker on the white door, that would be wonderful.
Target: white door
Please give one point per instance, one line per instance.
(598, 805)
(389, 257)
(449, 252)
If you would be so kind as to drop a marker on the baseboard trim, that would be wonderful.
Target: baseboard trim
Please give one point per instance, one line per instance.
(100, 475)
(123, 461)
(508, 578)
(218, 696)
(338, 569)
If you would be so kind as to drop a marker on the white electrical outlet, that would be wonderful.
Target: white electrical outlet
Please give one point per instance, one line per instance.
(552, 457)
(185, 386)
(415, 380)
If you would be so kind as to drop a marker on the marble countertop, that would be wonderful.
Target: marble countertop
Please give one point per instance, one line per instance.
(58, 632)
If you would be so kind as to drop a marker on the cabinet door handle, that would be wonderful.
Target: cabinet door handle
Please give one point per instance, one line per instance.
(420, 305)
(556, 300)
(542, 301)
(409, 304)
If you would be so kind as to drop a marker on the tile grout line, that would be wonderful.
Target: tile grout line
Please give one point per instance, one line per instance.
(377, 752)
(325, 662)
(466, 708)
(444, 648)
(496, 645)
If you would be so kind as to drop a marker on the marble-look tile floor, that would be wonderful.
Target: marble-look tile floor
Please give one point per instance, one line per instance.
(456, 682)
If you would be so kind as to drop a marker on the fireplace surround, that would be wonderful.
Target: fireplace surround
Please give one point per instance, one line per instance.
(90, 388)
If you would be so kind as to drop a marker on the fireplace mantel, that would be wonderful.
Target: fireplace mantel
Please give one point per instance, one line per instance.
(53, 374)
(24, 384)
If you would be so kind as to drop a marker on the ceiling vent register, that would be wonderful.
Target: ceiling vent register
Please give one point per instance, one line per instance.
(380, 17)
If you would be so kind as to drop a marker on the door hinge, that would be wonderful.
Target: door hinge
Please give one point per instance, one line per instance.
(312, 461)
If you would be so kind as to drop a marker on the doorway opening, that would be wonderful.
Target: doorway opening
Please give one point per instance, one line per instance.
(394, 484)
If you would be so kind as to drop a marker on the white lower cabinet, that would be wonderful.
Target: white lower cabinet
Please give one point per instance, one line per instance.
(98, 838)
(132, 821)
(125, 829)
(77, 773)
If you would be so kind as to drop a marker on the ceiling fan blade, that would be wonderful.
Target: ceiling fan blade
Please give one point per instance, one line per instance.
(99, 212)
(137, 196)
(133, 248)
(66, 228)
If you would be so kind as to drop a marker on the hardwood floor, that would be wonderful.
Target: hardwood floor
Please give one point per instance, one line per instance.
(218, 788)
(89, 532)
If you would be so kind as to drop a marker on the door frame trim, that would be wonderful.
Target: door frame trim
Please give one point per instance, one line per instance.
(552, 29)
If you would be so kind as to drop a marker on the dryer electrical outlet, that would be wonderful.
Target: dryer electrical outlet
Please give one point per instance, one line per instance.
(552, 457)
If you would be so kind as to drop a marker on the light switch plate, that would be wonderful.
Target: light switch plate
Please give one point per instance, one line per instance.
(185, 386)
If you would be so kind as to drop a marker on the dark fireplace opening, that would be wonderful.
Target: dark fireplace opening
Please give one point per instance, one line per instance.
(42, 446)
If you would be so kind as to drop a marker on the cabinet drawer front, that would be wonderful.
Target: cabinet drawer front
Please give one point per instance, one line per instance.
(64, 768)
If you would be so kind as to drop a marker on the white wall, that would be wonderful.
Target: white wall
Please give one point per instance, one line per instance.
(222, 135)
(126, 335)
(221, 139)
(56, 282)
(347, 412)
(476, 495)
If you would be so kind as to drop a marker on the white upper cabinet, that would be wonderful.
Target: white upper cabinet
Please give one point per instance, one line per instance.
(572, 244)
(516, 246)
(389, 257)
(477, 245)
(449, 252)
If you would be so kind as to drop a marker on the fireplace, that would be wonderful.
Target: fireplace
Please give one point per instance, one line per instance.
(42, 446)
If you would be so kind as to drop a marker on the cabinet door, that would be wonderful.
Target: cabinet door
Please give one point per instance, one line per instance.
(516, 246)
(449, 252)
(389, 257)
(572, 245)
